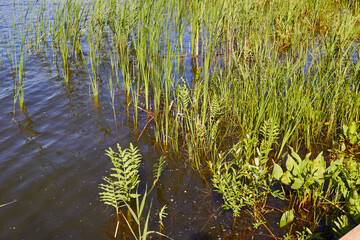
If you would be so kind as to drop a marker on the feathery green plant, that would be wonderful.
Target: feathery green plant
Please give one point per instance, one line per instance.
(124, 179)
(159, 167)
(242, 180)
(162, 216)
(118, 190)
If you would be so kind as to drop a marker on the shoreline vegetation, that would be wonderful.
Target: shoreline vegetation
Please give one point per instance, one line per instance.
(270, 109)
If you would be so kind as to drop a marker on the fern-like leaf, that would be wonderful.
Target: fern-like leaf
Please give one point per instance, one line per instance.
(124, 177)
(184, 96)
(159, 167)
(270, 131)
(216, 109)
(162, 215)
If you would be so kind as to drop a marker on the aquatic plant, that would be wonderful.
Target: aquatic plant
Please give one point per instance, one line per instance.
(20, 55)
(315, 187)
(351, 134)
(159, 167)
(162, 216)
(93, 38)
(125, 178)
(40, 28)
(284, 73)
(143, 228)
(118, 190)
(241, 179)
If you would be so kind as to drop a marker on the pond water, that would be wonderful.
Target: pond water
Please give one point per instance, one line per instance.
(52, 160)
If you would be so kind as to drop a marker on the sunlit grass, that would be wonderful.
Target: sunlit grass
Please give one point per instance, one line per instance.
(294, 64)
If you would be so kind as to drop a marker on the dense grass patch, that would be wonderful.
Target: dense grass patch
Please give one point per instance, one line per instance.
(271, 80)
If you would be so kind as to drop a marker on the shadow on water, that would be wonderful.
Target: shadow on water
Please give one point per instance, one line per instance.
(201, 236)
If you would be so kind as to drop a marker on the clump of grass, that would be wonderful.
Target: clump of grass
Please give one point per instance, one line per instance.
(93, 38)
(17, 49)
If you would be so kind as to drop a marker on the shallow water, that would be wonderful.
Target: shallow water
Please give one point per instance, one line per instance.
(52, 161)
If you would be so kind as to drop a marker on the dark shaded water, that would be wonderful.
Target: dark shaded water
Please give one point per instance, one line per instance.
(52, 161)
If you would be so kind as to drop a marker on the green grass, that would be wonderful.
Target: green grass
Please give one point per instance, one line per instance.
(289, 66)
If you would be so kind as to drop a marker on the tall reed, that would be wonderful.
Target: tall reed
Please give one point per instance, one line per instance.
(93, 39)
(19, 44)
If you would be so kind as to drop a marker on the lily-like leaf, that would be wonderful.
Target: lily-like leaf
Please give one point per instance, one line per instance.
(352, 128)
(297, 183)
(295, 155)
(287, 217)
(354, 140)
(292, 166)
(319, 168)
(345, 129)
(286, 178)
(277, 172)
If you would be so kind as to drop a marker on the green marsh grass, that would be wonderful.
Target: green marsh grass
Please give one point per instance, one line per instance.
(292, 66)
(17, 49)
(40, 28)
(93, 38)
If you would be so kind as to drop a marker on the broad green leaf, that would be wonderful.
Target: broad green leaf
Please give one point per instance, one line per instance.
(297, 183)
(343, 147)
(307, 157)
(287, 217)
(319, 168)
(295, 155)
(286, 178)
(295, 171)
(334, 165)
(353, 140)
(353, 128)
(277, 172)
(345, 129)
(290, 163)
